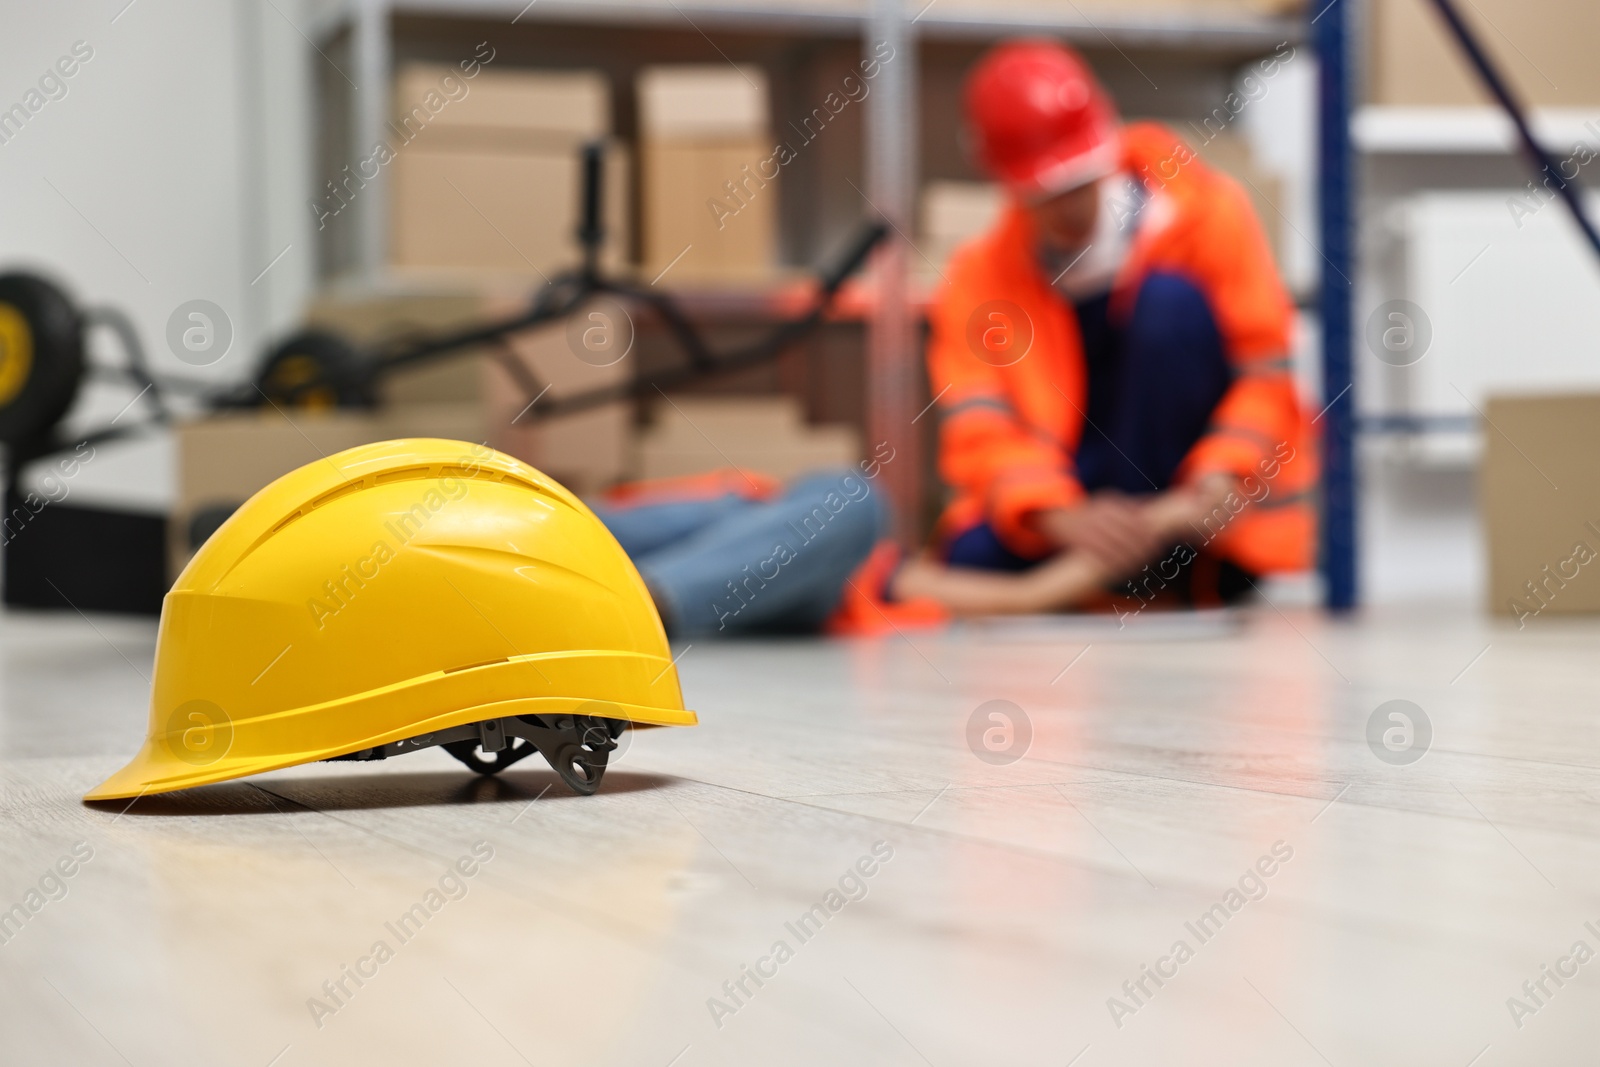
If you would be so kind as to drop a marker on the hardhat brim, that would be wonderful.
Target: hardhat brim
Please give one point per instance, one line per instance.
(254, 746)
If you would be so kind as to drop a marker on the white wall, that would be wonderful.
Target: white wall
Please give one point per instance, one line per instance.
(1281, 128)
(176, 167)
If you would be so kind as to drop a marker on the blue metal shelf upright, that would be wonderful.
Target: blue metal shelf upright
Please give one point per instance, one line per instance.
(1331, 31)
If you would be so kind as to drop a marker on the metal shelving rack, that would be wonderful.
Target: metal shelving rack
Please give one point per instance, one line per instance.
(890, 154)
(368, 22)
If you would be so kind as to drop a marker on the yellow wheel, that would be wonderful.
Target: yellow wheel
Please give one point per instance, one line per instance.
(315, 371)
(41, 357)
(16, 353)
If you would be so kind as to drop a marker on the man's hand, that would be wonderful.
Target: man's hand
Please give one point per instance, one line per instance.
(1115, 529)
(1124, 533)
(1179, 513)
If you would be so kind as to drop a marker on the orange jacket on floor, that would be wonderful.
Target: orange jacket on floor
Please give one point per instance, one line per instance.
(1012, 419)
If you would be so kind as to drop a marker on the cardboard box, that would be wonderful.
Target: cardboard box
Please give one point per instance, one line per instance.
(225, 459)
(689, 421)
(572, 105)
(1540, 489)
(959, 211)
(709, 204)
(1051, 9)
(490, 178)
(695, 229)
(511, 210)
(758, 434)
(703, 102)
(1545, 49)
(949, 215)
(369, 316)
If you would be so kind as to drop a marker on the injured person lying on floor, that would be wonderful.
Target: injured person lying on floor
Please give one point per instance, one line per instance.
(736, 552)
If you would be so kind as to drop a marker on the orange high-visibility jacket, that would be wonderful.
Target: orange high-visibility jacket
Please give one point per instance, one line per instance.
(1006, 361)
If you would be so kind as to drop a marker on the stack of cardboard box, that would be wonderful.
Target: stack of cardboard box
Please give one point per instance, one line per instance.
(710, 196)
(491, 180)
(764, 435)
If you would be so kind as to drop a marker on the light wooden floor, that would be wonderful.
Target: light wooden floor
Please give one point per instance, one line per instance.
(1164, 764)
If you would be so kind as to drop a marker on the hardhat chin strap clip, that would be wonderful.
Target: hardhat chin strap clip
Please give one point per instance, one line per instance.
(575, 746)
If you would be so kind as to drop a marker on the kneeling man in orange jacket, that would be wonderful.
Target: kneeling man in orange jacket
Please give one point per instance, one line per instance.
(1111, 363)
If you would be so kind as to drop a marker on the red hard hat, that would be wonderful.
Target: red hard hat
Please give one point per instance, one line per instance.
(1039, 119)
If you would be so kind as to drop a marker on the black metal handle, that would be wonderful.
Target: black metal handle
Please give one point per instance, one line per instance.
(854, 256)
(591, 231)
(702, 360)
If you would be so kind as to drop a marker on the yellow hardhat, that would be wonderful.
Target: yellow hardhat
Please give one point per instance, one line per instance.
(396, 596)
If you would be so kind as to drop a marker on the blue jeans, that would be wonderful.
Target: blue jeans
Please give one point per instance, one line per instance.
(1153, 383)
(728, 565)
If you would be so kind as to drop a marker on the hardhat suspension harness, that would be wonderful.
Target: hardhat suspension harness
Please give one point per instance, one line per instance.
(575, 746)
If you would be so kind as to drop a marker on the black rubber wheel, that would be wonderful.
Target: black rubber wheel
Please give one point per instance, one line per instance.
(41, 357)
(316, 371)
